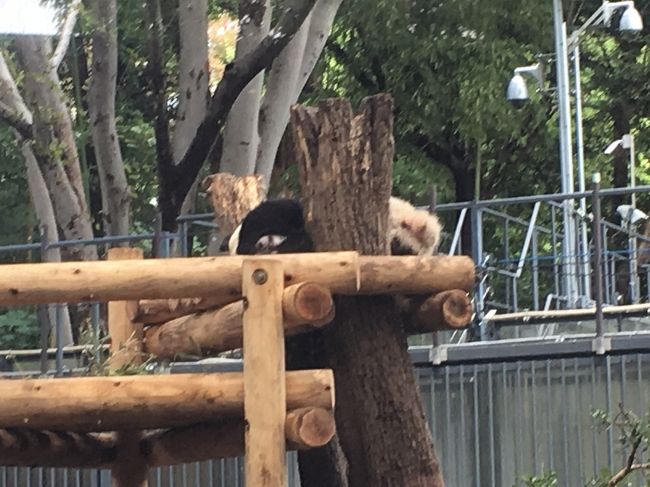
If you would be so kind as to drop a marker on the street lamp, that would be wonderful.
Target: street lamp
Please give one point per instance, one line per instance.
(517, 92)
(630, 21)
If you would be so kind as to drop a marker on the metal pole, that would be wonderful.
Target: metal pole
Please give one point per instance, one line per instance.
(43, 314)
(598, 269)
(566, 159)
(59, 339)
(628, 143)
(580, 159)
(477, 255)
(628, 140)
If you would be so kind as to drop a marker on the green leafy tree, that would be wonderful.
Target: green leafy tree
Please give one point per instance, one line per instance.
(19, 330)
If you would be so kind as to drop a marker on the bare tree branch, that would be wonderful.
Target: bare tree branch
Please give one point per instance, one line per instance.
(166, 178)
(16, 121)
(66, 32)
(242, 128)
(630, 466)
(13, 110)
(236, 77)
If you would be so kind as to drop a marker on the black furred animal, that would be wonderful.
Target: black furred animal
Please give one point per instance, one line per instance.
(274, 226)
(277, 226)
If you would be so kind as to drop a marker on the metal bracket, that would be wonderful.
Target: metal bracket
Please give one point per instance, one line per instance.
(438, 355)
(601, 345)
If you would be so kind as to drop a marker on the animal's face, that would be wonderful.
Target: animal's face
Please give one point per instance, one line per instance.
(275, 226)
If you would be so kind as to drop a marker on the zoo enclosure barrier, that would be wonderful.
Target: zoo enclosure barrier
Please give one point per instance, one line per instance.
(496, 414)
(516, 241)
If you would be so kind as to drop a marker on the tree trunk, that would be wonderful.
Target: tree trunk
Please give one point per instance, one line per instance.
(45, 215)
(194, 77)
(235, 79)
(53, 130)
(287, 79)
(320, 27)
(67, 29)
(281, 93)
(39, 195)
(240, 137)
(345, 170)
(101, 104)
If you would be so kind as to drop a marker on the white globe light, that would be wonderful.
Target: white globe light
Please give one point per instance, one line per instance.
(631, 21)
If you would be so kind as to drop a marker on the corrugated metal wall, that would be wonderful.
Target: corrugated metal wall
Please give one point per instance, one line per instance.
(492, 423)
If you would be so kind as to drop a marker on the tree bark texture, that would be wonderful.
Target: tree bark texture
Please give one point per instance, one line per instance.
(345, 164)
(193, 85)
(116, 197)
(287, 78)
(67, 29)
(281, 86)
(38, 191)
(235, 78)
(45, 214)
(240, 135)
(320, 27)
(167, 201)
(54, 142)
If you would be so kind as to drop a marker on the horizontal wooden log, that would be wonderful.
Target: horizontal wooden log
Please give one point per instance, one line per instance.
(160, 311)
(448, 310)
(305, 428)
(197, 334)
(157, 278)
(143, 402)
(341, 272)
(415, 275)
(27, 448)
(305, 306)
(157, 311)
(309, 427)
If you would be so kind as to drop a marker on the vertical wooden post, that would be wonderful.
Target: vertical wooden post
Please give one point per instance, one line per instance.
(264, 373)
(130, 468)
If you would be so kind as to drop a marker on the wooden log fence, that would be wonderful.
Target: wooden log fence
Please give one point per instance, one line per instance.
(190, 306)
(305, 306)
(341, 272)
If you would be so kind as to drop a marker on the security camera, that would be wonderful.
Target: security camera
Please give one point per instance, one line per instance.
(517, 93)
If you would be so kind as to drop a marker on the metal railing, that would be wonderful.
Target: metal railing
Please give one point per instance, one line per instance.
(516, 243)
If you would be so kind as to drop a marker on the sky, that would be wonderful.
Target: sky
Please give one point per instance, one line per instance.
(27, 17)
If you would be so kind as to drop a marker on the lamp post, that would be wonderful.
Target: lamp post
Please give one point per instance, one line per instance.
(630, 22)
(517, 94)
(566, 154)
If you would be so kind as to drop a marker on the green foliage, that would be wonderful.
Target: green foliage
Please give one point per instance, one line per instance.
(138, 152)
(633, 437)
(19, 330)
(447, 65)
(16, 219)
(548, 479)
